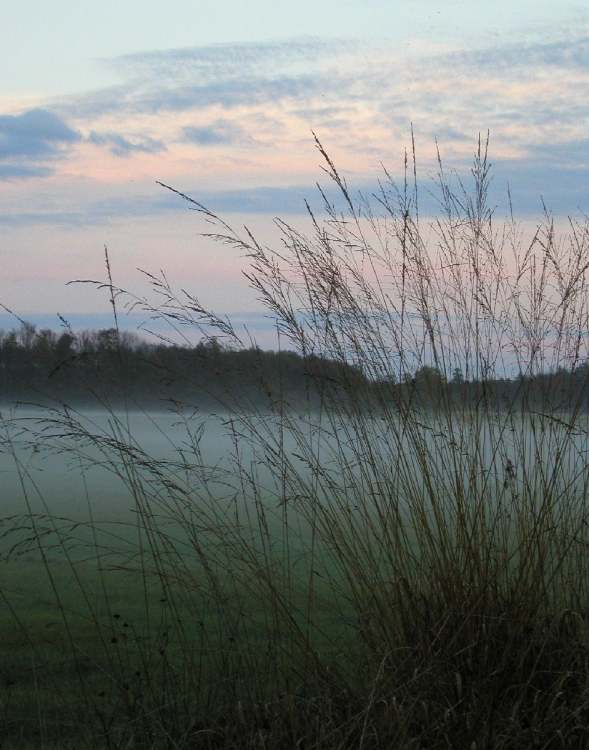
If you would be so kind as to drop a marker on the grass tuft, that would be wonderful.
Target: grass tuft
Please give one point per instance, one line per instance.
(397, 561)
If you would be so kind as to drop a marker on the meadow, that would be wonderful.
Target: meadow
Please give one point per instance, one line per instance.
(400, 564)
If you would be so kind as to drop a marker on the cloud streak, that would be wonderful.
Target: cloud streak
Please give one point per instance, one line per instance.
(218, 133)
(29, 139)
(35, 134)
(569, 52)
(22, 171)
(119, 145)
(233, 60)
(233, 75)
(229, 93)
(563, 187)
(261, 200)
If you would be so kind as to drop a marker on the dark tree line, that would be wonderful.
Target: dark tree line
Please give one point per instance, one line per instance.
(110, 364)
(113, 365)
(563, 390)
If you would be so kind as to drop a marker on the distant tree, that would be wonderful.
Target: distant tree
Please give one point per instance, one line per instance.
(429, 377)
(430, 384)
(210, 345)
(9, 350)
(44, 343)
(457, 376)
(42, 352)
(64, 347)
(26, 335)
(107, 339)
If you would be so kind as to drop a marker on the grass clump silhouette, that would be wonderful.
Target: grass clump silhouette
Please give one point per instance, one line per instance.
(401, 564)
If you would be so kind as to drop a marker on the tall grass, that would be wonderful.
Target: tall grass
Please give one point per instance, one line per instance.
(396, 565)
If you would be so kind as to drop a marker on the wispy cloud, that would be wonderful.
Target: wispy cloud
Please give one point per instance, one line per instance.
(530, 182)
(571, 51)
(572, 154)
(230, 92)
(98, 212)
(229, 75)
(119, 145)
(217, 133)
(22, 171)
(233, 60)
(261, 200)
(36, 136)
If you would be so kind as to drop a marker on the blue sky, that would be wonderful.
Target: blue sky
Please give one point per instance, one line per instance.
(100, 100)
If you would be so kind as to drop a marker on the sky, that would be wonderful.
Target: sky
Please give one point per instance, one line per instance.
(218, 99)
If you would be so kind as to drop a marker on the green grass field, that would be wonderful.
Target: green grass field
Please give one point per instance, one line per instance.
(90, 649)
